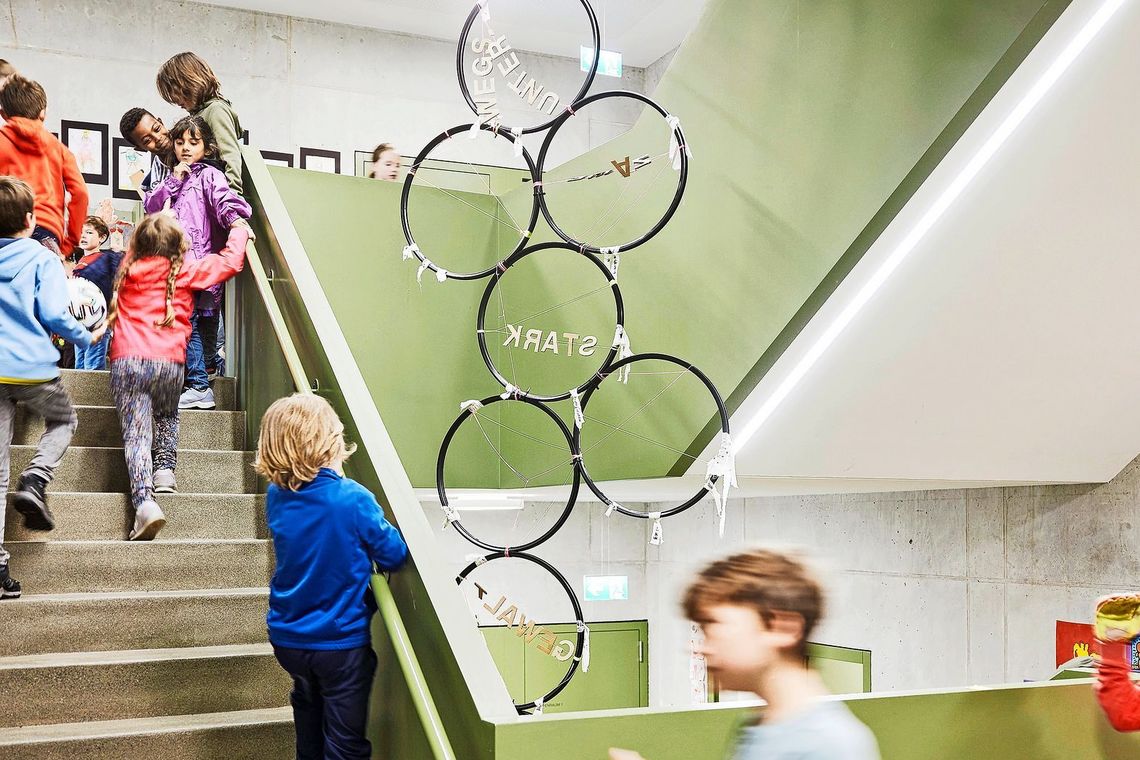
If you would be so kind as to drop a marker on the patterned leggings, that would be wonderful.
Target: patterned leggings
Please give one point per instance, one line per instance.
(146, 393)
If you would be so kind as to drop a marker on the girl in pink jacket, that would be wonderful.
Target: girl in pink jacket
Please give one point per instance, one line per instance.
(202, 201)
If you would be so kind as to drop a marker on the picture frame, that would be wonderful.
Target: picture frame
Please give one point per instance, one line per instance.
(362, 163)
(89, 142)
(322, 162)
(127, 161)
(276, 158)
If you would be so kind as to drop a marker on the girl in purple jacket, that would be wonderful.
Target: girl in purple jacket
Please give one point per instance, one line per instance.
(201, 199)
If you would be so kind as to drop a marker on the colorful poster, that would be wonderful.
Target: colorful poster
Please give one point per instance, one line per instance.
(1073, 640)
(1076, 640)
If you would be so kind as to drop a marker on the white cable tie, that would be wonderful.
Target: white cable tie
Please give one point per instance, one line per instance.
(579, 415)
(516, 132)
(471, 405)
(538, 706)
(469, 558)
(451, 513)
(612, 507)
(655, 537)
(424, 265)
(612, 258)
(481, 560)
(441, 275)
(476, 127)
(511, 390)
(723, 468)
(410, 250)
(621, 342)
(583, 628)
(675, 147)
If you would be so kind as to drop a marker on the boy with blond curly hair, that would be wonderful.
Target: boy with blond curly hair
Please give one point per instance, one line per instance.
(328, 531)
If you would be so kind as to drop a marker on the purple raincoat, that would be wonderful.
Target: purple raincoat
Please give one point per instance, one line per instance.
(205, 206)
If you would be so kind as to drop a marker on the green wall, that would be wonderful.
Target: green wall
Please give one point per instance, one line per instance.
(1050, 722)
(810, 122)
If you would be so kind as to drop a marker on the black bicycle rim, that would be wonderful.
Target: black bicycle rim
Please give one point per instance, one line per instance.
(480, 318)
(441, 487)
(682, 179)
(596, 383)
(595, 33)
(578, 617)
(407, 189)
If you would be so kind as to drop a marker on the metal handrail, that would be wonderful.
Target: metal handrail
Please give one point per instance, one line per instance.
(425, 707)
(421, 698)
(277, 321)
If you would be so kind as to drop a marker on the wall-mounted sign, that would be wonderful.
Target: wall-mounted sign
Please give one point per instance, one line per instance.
(605, 588)
(609, 62)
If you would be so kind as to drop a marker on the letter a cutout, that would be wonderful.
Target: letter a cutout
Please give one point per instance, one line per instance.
(623, 167)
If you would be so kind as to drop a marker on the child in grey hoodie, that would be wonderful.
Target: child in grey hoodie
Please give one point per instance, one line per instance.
(34, 300)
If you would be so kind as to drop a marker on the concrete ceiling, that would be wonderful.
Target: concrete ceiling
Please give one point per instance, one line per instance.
(1006, 347)
(642, 30)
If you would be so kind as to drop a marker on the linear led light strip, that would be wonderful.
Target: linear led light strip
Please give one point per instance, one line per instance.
(908, 244)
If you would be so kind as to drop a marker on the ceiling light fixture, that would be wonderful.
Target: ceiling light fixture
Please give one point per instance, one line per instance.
(932, 215)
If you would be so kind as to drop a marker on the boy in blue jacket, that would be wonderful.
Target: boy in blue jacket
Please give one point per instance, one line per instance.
(34, 300)
(327, 532)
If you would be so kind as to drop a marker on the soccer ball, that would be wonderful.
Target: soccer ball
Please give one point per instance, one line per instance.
(87, 303)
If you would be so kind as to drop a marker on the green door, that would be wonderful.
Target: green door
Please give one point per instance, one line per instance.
(618, 675)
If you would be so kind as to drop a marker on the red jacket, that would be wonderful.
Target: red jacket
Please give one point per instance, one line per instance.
(30, 152)
(1118, 696)
(142, 301)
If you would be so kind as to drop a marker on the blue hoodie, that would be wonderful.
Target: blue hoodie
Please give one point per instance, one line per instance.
(326, 535)
(34, 300)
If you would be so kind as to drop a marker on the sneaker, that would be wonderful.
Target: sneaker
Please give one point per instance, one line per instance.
(149, 520)
(31, 501)
(196, 399)
(164, 482)
(9, 586)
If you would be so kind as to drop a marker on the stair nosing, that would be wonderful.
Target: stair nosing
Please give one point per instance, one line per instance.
(157, 542)
(132, 656)
(110, 596)
(164, 724)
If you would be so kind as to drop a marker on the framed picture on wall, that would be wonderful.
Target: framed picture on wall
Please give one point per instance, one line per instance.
(362, 160)
(89, 142)
(277, 159)
(320, 160)
(130, 167)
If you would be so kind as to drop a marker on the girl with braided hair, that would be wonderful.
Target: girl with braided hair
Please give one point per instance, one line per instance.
(150, 310)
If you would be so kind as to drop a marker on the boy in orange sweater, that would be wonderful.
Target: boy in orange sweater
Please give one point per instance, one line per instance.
(30, 152)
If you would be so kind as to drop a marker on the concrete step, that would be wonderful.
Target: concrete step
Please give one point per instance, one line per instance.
(141, 683)
(99, 426)
(46, 623)
(94, 516)
(90, 468)
(238, 735)
(91, 388)
(68, 567)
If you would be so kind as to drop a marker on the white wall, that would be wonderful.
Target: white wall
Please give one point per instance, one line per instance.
(293, 82)
(946, 588)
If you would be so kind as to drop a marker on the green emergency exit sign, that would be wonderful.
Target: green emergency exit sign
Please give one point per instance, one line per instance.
(605, 588)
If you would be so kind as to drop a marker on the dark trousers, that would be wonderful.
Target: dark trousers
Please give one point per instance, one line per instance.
(330, 701)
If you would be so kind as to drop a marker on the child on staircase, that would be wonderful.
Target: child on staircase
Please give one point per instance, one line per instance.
(327, 532)
(149, 313)
(33, 303)
(205, 206)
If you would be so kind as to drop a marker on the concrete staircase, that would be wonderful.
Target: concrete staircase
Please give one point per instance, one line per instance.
(121, 650)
